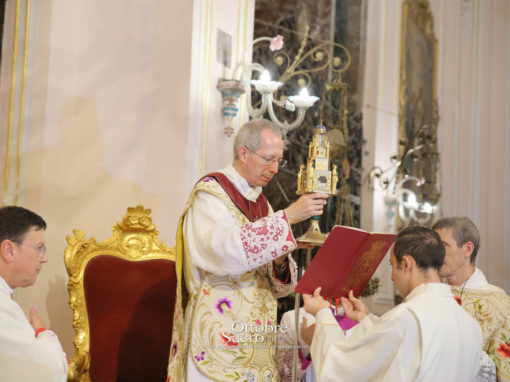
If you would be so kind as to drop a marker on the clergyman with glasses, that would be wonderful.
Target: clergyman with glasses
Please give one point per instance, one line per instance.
(28, 350)
(235, 257)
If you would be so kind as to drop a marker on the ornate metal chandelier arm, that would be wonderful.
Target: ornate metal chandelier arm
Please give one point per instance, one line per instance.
(400, 162)
(266, 89)
(337, 60)
(318, 53)
(285, 125)
(273, 116)
(238, 72)
(241, 65)
(242, 77)
(410, 207)
(384, 181)
(259, 39)
(292, 72)
(299, 119)
(400, 185)
(297, 59)
(254, 112)
(267, 102)
(280, 58)
(245, 74)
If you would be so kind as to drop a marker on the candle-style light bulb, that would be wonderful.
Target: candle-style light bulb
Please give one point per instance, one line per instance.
(264, 84)
(411, 200)
(304, 99)
(303, 92)
(265, 76)
(427, 208)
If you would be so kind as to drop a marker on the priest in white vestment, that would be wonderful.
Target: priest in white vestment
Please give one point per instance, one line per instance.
(28, 351)
(428, 337)
(487, 303)
(234, 252)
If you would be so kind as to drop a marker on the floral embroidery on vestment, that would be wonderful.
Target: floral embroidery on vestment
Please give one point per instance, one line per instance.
(504, 349)
(268, 235)
(222, 304)
(490, 306)
(218, 348)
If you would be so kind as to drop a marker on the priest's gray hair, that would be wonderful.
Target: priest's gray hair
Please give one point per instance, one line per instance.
(463, 230)
(250, 133)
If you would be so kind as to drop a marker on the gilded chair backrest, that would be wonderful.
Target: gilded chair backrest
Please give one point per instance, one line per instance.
(122, 292)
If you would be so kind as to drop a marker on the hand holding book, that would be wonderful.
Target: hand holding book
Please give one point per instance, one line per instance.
(346, 261)
(353, 308)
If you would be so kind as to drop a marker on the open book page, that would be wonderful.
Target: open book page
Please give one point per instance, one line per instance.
(347, 260)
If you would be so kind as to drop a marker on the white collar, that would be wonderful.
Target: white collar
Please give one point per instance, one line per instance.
(5, 286)
(435, 288)
(241, 184)
(476, 281)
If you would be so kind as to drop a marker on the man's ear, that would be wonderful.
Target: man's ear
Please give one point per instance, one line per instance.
(407, 263)
(6, 251)
(469, 247)
(242, 153)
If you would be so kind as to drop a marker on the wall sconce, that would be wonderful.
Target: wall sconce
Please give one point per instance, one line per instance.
(231, 91)
(242, 82)
(379, 179)
(410, 193)
(411, 207)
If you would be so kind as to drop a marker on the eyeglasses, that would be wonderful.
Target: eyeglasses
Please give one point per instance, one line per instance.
(41, 249)
(269, 161)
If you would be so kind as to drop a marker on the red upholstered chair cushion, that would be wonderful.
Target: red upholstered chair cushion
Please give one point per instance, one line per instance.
(130, 309)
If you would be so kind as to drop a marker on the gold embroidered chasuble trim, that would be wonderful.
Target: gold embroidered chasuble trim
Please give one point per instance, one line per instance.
(490, 306)
(222, 343)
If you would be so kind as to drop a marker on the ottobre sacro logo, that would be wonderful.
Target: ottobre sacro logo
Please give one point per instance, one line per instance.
(241, 332)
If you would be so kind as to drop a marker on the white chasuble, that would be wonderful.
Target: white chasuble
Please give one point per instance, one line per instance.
(230, 321)
(426, 338)
(23, 356)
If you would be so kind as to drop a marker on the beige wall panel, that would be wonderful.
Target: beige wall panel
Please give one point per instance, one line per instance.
(107, 127)
(209, 147)
(475, 125)
(122, 110)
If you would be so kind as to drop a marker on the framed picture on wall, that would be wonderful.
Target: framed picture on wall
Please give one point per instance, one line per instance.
(417, 182)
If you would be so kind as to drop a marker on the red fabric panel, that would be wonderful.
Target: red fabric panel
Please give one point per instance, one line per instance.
(253, 211)
(130, 306)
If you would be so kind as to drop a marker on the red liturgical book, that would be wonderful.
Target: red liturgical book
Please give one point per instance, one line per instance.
(347, 260)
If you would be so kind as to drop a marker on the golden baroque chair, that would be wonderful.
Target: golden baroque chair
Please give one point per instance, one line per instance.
(122, 292)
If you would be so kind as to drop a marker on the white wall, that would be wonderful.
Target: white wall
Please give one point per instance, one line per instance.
(474, 126)
(209, 148)
(380, 128)
(121, 108)
(474, 98)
